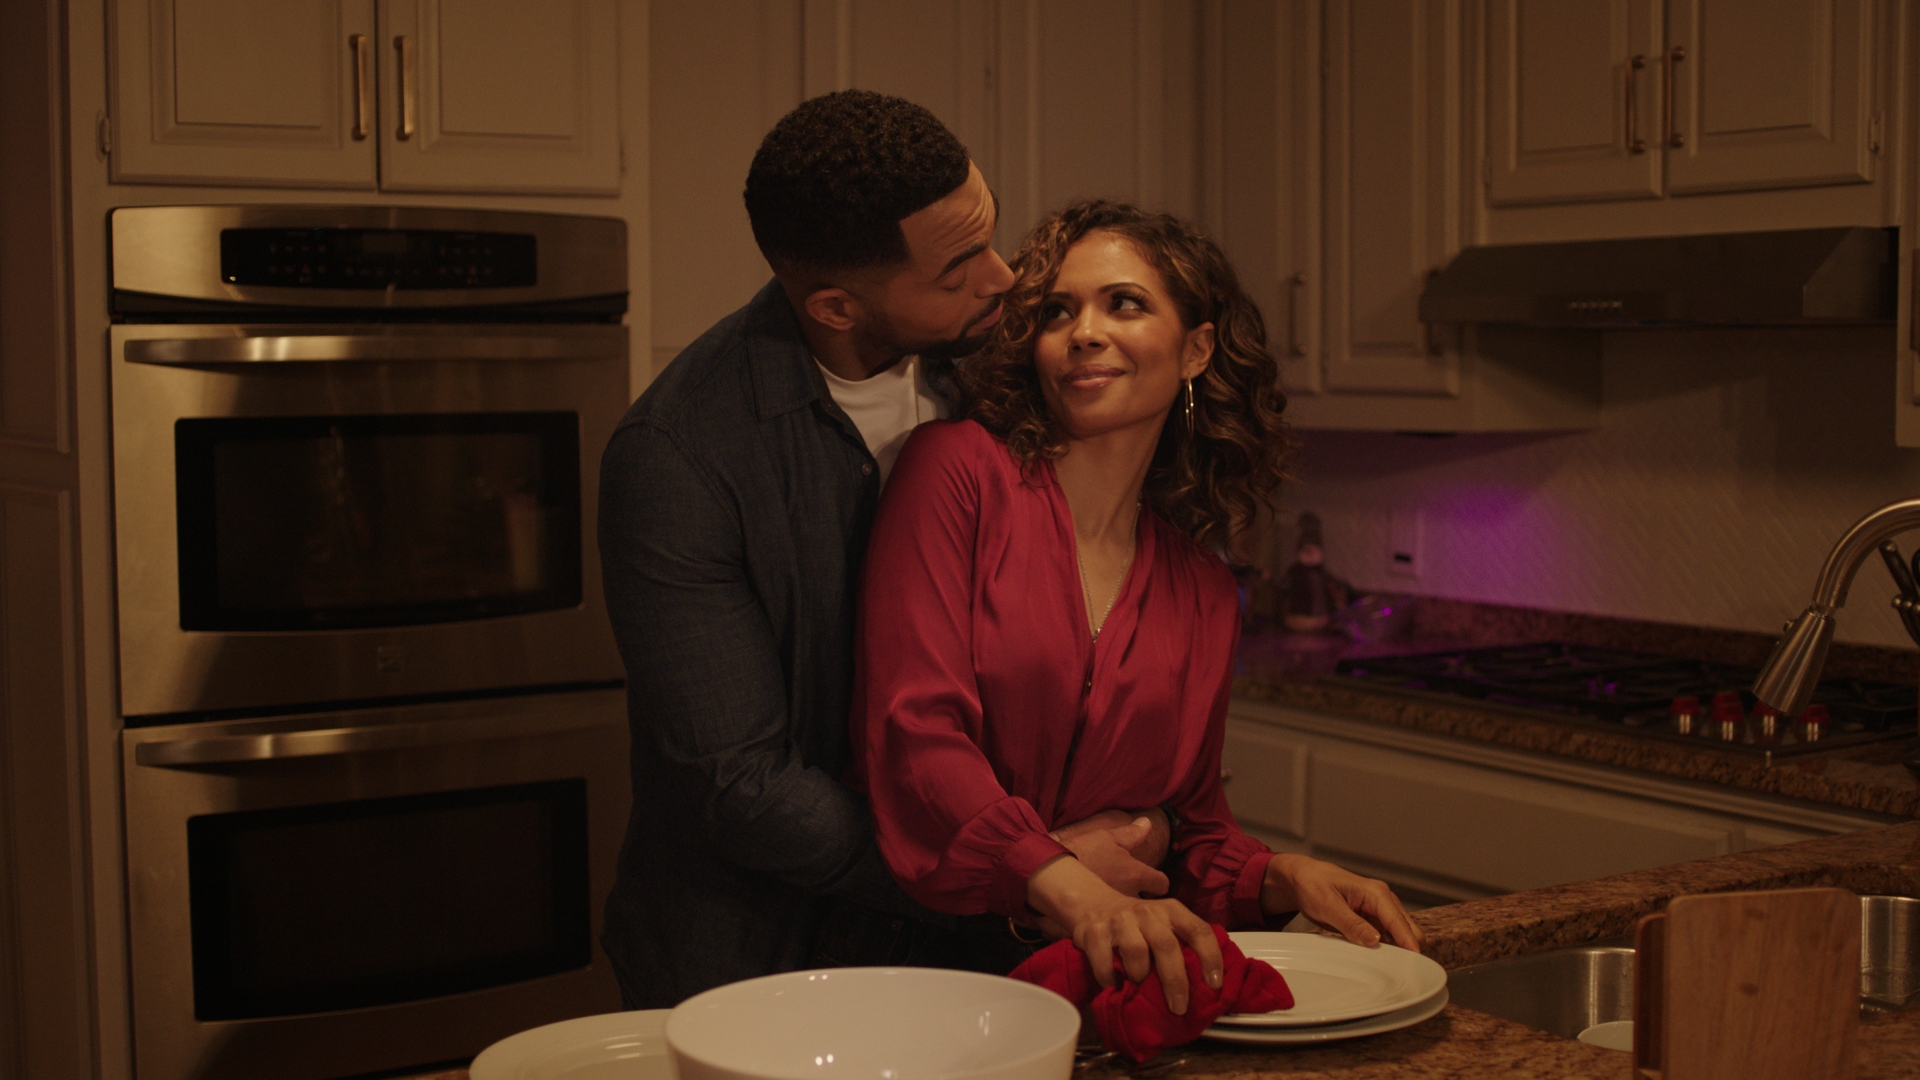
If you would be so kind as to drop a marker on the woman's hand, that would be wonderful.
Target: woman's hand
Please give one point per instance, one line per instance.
(1145, 934)
(1122, 848)
(1358, 908)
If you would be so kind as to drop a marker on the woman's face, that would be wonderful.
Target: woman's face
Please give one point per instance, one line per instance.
(1112, 353)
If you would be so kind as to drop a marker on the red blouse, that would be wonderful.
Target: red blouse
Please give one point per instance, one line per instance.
(985, 714)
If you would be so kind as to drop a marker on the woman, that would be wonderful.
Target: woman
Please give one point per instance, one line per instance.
(1047, 630)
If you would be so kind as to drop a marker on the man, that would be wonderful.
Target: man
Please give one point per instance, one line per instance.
(736, 497)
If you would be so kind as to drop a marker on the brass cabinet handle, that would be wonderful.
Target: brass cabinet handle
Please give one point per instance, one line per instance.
(1913, 307)
(1294, 285)
(362, 85)
(1674, 56)
(1635, 144)
(1429, 344)
(404, 46)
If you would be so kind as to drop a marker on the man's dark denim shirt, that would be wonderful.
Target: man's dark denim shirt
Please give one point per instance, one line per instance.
(735, 501)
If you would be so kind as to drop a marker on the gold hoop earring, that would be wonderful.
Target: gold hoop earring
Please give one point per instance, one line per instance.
(1189, 406)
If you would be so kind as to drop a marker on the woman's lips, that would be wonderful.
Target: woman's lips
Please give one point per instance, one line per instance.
(1092, 377)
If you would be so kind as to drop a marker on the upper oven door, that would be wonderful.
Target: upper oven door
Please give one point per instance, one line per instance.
(308, 515)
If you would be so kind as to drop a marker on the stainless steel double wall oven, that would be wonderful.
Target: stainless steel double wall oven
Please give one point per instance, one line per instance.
(374, 754)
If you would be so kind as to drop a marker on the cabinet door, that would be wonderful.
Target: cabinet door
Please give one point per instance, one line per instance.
(1391, 190)
(1262, 156)
(1770, 94)
(1572, 101)
(500, 96)
(241, 92)
(1491, 828)
(1266, 773)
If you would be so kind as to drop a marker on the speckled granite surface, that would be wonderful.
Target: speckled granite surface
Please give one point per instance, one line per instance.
(1290, 669)
(1876, 862)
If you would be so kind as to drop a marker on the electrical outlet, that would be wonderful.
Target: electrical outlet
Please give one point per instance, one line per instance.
(1403, 544)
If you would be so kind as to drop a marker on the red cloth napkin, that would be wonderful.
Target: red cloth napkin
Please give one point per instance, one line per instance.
(1133, 1017)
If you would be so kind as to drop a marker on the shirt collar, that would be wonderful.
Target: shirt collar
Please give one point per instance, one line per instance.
(779, 364)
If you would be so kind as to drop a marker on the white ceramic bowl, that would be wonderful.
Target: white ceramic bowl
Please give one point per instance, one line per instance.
(875, 1024)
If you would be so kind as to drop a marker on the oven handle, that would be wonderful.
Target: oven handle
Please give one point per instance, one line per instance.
(327, 742)
(334, 348)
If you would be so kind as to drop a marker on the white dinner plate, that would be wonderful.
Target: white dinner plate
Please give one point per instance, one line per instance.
(1333, 980)
(611, 1046)
(1352, 1029)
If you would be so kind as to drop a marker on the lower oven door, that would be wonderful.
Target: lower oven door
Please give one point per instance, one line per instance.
(311, 516)
(329, 895)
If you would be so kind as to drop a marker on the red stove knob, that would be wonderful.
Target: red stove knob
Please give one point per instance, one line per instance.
(1728, 711)
(1815, 714)
(1725, 698)
(1762, 709)
(1684, 706)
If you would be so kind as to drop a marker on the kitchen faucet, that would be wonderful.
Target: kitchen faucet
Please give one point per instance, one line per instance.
(1786, 682)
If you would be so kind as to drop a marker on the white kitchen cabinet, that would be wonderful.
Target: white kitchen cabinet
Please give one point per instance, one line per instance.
(1463, 819)
(1770, 93)
(500, 96)
(424, 95)
(1597, 99)
(239, 92)
(1344, 194)
(1747, 115)
(1570, 109)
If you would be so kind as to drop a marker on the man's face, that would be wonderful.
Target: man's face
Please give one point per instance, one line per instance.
(945, 298)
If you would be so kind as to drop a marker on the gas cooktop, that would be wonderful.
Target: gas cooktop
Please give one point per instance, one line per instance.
(1658, 697)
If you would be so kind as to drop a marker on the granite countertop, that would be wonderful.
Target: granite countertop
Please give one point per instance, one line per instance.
(1462, 1043)
(1293, 669)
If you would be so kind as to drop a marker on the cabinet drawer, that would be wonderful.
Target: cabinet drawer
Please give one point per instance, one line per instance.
(1492, 828)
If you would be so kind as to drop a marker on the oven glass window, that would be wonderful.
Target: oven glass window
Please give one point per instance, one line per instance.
(360, 904)
(337, 522)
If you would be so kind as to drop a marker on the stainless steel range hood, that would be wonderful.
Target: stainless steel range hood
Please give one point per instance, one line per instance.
(1797, 277)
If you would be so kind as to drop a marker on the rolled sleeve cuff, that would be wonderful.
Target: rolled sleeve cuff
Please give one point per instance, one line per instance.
(1023, 860)
(1244, 902)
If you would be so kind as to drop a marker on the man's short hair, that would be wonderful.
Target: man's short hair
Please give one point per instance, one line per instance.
(832, 180)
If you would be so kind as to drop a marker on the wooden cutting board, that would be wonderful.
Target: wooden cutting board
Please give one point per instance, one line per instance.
(1749, 986)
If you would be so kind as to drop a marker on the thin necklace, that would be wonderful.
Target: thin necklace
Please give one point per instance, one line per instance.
(1087, 590)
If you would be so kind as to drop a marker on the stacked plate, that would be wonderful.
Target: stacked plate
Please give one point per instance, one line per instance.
(1340, 990)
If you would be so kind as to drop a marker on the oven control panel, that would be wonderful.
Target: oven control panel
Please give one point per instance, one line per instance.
(332, 258)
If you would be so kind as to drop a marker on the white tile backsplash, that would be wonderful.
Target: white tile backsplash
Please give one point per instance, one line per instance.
(1728, 463)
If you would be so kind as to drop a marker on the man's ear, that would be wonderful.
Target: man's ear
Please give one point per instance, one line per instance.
(1198, 352)
(834, 308)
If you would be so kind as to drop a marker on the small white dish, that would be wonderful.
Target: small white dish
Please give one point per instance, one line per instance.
(1352, 1029)
(875, 1024)
(611, 1046)
(1334, 981)
(1614, 1035)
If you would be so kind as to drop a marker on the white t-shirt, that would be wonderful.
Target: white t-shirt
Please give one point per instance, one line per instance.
(886, 408)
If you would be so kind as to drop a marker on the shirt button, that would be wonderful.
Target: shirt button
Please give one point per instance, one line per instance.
(866, 468)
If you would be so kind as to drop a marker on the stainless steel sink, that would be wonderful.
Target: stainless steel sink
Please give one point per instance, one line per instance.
(1564, 992)
(1569, 990)
(1889, 951)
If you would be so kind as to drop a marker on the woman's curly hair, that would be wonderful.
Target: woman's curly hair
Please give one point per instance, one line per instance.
(1210, 482)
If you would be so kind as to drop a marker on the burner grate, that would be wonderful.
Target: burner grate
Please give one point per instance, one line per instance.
(1631, 691)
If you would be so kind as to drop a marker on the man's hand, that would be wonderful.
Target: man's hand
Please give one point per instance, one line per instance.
(1122, 848)
(1358, 908)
